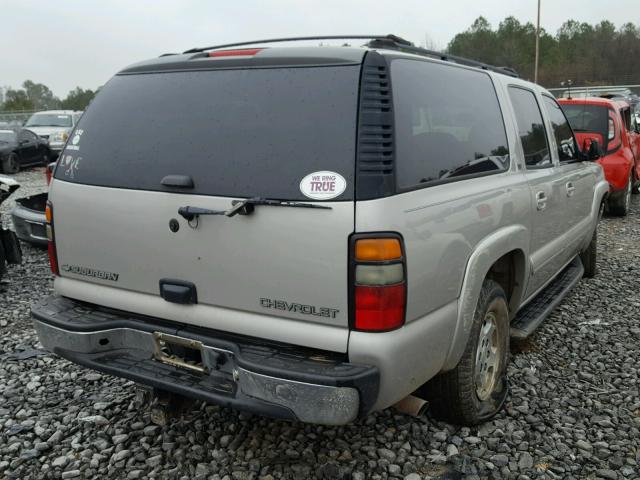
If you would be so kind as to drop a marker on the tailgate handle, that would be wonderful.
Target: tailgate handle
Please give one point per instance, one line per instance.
(178, 291)
(179, 181)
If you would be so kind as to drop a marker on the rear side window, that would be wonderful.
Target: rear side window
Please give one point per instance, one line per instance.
(237, 133)
(530, 128)
(567, 148)
(448, 123)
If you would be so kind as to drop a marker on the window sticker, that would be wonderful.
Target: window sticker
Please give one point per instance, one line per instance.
(323, 185)
(70, 165)
(74, 143)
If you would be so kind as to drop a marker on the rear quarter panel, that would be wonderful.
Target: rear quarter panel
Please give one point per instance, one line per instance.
(452, 233)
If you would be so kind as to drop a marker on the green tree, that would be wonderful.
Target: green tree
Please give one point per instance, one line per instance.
(16, 100)
(78, 99)
(584, 53)
(40, 96)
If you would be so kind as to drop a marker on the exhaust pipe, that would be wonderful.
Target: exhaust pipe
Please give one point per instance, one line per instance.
(412, 405)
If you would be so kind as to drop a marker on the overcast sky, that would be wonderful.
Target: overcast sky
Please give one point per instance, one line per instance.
(65, 43)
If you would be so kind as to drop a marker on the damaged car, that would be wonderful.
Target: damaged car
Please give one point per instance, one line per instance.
(10, 252)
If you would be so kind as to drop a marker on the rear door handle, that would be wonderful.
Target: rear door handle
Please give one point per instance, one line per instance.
(570, 189)
(541, 201)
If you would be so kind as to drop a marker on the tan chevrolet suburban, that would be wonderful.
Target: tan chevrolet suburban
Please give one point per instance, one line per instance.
(315, 233)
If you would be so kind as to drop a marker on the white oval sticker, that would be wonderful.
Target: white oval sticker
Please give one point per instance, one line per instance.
(323, 185)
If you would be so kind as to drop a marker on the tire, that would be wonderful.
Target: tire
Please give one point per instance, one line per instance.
(619, 203)
(11, 164)
(589, 256)
(464, 396)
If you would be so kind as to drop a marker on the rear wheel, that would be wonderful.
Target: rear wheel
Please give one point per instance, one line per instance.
(620, 203)
(476, 389)
(11, 164)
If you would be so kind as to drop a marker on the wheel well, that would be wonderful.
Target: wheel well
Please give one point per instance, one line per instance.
(508, 272)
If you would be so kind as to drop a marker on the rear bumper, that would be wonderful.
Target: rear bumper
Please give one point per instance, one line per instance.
(270, 379)
(29, 224)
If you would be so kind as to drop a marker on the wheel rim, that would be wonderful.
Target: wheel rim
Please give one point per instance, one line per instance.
(487, 357)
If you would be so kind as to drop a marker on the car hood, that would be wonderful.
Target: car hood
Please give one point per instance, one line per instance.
(47, 130)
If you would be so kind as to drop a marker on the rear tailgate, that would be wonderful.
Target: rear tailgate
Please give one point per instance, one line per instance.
(279, 273)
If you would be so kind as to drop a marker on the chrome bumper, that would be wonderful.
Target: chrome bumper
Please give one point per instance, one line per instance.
(224, 381)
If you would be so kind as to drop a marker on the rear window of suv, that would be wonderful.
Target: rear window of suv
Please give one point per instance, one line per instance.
(237, 133)
(448, 124)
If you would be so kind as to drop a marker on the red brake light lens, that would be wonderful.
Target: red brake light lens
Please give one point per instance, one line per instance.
(51, 245)
(245, 52)
(49, 172)
(379, 308)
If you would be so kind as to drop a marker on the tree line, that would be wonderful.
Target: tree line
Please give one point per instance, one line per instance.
(585, 54)
(37, 96)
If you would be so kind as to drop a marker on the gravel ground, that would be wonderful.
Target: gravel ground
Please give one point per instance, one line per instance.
(573, 411)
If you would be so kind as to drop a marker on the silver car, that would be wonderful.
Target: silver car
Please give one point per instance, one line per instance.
(54, 126)
(315, 233)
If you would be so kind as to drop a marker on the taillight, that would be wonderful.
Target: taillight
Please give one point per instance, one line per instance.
(379, 282)
(51, 245)
(49, 171)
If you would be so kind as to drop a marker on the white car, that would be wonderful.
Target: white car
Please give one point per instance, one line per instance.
(54, 126)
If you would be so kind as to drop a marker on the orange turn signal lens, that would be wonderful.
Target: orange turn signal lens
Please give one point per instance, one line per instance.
(47, 214)
(378, 249)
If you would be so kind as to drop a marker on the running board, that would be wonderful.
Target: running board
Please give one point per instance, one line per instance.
(534, 313)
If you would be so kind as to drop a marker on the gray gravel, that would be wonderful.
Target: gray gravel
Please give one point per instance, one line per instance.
(573, 411)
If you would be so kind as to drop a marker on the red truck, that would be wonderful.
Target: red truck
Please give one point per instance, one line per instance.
(612, 124)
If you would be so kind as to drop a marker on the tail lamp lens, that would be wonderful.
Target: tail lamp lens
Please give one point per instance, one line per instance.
(380, 284)
(51, 245)
(49, 172)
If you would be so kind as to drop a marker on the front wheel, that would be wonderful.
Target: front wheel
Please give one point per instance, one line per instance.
(11, 164)
(475, 390)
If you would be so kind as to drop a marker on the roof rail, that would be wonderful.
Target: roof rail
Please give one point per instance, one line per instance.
(391, 44)
(393, 38)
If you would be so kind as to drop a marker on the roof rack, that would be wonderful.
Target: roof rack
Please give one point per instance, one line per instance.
(300, 39)
(408, 47)
(390, 42)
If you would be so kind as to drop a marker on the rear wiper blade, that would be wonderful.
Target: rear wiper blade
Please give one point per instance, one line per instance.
(245, 207)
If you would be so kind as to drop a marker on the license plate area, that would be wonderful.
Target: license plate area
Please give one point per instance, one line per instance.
(179, 352)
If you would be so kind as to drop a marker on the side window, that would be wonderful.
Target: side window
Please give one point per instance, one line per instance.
(26, 135)
(448, 123)
(567, 147)
(614, 139)
(530, 128)
(625, 113)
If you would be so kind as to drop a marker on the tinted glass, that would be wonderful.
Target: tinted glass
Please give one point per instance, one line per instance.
(237, 133)
(567, 148)
(28, 136)
(530, 127)
(7, 136)
(49, 120)
(587, 118)
(448, 123)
